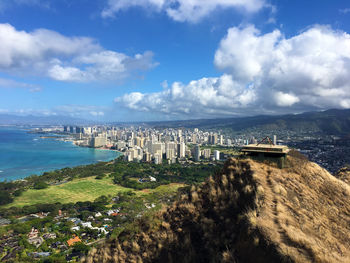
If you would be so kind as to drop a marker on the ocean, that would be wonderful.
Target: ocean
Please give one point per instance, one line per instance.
(23, 154)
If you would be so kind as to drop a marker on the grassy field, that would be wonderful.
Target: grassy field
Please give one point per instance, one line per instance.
(85, 189)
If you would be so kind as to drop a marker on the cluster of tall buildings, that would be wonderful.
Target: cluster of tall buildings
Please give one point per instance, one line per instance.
(150, 145)
(153, 145)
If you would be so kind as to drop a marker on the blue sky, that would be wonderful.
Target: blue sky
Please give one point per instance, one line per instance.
(168, 59)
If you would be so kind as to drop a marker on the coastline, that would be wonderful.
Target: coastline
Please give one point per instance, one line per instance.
(38, 155)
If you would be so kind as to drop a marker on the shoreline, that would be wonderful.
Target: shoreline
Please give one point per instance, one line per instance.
(12, 174)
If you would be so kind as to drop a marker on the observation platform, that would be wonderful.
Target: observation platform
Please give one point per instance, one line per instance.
(266, 148)
(267, 152)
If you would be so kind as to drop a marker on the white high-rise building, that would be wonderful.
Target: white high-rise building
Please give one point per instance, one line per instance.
(217, 155)
(157, 158)
(221, 140)
(158, 147)
(170, 154)
(99, 141)
(170, 145)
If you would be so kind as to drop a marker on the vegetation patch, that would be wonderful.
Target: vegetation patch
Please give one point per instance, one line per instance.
(85, 189)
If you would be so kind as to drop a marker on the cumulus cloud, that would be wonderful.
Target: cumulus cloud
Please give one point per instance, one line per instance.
(199, 98)
(183, 10)
(79, 59)
(263, 73)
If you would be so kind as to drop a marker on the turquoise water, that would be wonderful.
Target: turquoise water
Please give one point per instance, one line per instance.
(23, 154)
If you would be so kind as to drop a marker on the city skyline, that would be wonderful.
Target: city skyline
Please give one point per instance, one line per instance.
(150, 60)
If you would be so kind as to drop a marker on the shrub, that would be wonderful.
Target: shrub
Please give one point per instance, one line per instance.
(100, 176)
(18, 192)
(81, 248)
(5, 198)
(40, 185)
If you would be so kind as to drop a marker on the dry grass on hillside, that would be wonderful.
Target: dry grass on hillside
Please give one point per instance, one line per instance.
(305, 212)
(251, 212)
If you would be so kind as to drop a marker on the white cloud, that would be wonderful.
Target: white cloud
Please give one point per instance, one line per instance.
(183, 10)
(6, 4)
(344, 11)
(80, 110)
(75, 111)
(80, 59)
(285, 99)
(9, 83)
(97, 113)
(264, 73)
(200, 98)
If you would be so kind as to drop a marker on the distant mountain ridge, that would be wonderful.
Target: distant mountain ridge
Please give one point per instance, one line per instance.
(332, 121)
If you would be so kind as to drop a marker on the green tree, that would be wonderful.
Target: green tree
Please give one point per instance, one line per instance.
(81, 248)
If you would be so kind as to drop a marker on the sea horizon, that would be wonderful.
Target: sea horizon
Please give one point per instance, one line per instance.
(24, 154)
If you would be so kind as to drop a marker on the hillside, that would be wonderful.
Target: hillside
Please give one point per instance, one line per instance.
(330, 122)
(251, 212)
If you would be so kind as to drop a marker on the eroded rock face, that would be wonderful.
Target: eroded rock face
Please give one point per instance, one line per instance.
(250, 212)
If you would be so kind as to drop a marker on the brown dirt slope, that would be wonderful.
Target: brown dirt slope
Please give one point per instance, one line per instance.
(251, 212)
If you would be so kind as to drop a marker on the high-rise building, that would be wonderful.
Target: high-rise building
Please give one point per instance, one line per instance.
(137, 141)
(158, 158)
(206, 153)
(157, 148)
(181, 150)
(217, 155)
(197, 153)
(146, 157)
(99, 141)
(170, 145)
(65, 128)
(71, 129)
(215, 138)
(221, 140)
(194, 138)
(77, 129)
(170, 154)
(120, 145)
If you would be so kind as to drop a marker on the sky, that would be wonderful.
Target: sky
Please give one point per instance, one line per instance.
(143, 60)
